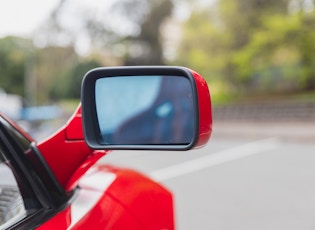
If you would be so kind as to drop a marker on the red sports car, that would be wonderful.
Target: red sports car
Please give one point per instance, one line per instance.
(55, 184)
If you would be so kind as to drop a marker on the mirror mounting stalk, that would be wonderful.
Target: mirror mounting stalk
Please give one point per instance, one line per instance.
(67, 154)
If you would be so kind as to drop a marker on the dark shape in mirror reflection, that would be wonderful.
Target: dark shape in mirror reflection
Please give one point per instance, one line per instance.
(145, 110)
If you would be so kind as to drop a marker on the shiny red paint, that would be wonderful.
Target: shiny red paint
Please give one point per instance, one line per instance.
(60, 221)
(130, 201)
(74, 129)
(86, 165)
(205, 110)
(67, 154)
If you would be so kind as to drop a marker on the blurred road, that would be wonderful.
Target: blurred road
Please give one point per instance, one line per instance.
(249, 176)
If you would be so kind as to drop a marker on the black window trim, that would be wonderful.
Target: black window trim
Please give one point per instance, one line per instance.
(48, 204)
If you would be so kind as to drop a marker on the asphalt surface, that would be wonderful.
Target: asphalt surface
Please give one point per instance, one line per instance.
(249, 176)
(290, 131)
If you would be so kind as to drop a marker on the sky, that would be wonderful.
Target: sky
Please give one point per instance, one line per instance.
(21, 18)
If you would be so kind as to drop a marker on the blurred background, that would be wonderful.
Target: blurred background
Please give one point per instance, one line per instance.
(251, 52)
(257, 56)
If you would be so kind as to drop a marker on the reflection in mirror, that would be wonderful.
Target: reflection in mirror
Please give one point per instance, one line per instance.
(145, 110)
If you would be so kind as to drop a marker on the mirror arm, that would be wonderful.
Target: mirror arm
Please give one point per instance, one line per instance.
(67, 154)
(74, 129)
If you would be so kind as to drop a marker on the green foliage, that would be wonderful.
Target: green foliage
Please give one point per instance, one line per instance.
(54, 72)
(13, 61)
(50, 73)
(252, 46)
(241, 47)
(52, 65)
(70, 85)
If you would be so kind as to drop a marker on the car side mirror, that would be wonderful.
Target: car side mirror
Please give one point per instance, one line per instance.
(145, 108)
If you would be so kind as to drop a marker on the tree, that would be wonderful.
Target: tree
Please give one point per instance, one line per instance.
(70, 87)
(15, 63)
(253, 45)
(52, 64)
(149, 39)
(132, 26)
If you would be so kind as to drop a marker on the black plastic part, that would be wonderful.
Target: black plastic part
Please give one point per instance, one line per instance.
(36, 178)
(89, 115)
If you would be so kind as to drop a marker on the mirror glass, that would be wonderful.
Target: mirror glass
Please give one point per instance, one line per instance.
(145, 110)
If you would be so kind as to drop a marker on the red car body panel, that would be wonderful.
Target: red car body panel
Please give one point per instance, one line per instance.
(66, 152)
(132, 201)
(116, 199)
